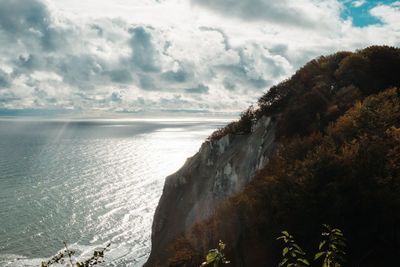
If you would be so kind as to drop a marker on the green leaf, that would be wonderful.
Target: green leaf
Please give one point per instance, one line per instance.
(304, 261)
(283, 261)
(299, 252)
(285, 233)
(339, 233)
(285, 251)
(318, 255)
(211, 256)
(298, 247)
(323, 242)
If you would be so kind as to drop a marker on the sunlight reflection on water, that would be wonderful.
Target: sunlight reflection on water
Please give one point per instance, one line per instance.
(87, 183)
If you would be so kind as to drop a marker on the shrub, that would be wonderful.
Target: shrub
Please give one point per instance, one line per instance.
(330, 249)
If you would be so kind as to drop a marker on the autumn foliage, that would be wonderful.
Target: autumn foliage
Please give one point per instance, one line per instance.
(321, 91)
(337, 162)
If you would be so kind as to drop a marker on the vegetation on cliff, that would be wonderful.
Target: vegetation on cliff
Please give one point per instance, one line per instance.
(330, 253)
(321, 91)
(60, 258)
(337, 162)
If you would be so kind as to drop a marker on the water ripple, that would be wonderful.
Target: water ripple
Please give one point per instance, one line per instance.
(86, 184)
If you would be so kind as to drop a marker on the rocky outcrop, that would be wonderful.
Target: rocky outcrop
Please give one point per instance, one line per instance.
(220, 169)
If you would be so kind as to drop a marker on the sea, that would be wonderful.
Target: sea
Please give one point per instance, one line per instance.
(88, 183)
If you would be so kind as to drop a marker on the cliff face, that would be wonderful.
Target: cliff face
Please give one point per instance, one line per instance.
(333, 119)
(220, 169)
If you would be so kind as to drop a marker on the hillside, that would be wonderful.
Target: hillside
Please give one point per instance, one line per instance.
(321, 147)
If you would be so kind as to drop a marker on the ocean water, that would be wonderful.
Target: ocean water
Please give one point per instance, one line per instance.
(87, 183)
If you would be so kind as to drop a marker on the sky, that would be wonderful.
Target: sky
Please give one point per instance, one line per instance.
(131, 56)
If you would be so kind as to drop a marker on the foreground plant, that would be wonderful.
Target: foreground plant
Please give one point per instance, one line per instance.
(215, 256)
(331, 248)
(97, 257)
(293, 255)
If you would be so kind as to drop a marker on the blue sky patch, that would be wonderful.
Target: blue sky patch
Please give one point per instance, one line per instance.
(359, 11)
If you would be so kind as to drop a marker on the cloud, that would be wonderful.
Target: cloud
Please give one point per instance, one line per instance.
(178, 76)
(389, 14)
(220, 31)
(116, 97)
(4, 79)
(144, 55)
(7, 98)
(147, 82)
(358, 3)
(175, 55)
(256, 69)
(29, 22)
(200, 89)
(121, 76)
(304, 14)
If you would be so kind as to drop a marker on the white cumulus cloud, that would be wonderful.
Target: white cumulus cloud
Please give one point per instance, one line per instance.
(205, 55)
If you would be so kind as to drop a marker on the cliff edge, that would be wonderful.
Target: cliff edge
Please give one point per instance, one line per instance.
(322, 147)
(220, 169)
